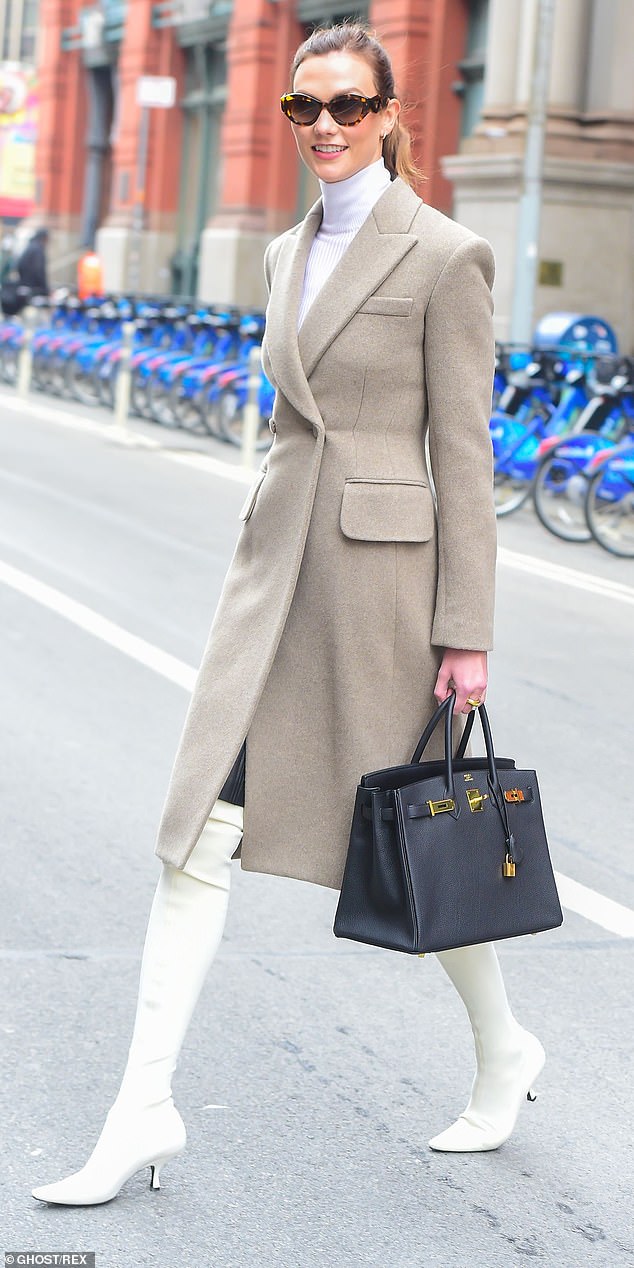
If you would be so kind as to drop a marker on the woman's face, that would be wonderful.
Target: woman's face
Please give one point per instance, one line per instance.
(330, 151)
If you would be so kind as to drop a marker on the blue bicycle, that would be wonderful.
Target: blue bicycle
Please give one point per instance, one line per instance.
(562, 479)
(610, 500)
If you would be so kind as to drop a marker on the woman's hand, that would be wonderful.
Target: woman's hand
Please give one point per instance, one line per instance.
(462, 672)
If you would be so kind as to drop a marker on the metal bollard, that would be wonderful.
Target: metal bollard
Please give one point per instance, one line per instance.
(251, 421)
(25, 359)
(122, 391)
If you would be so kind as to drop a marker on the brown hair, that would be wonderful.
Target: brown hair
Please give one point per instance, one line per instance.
(352, 37)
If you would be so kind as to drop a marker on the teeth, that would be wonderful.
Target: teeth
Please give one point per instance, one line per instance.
(329, 149)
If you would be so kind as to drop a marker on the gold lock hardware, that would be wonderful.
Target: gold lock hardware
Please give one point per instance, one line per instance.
(441, 807)
(476, 800)
(514, 794)
(508, 866)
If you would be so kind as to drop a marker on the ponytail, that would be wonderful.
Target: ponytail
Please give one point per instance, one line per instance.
(397, 155)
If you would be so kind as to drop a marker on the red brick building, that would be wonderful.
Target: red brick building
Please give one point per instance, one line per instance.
(222, 173)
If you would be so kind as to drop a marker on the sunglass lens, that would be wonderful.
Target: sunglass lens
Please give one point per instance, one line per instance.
(347, 109)
(302, 110)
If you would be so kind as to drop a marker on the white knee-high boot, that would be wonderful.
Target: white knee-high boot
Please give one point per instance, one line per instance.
(143, 1127)
(509, 1058)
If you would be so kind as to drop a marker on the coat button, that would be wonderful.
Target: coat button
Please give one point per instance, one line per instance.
(273, 425)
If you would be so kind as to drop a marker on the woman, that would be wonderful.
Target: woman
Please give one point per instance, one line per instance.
(351, 604)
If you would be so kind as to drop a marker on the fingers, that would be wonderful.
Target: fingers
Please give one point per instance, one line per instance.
(466, 674)
(472, 700)
(443, 681)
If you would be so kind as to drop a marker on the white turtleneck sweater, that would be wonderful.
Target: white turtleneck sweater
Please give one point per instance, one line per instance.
(346, 205)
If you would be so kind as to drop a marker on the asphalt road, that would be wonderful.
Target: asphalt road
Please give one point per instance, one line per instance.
(315, 1071)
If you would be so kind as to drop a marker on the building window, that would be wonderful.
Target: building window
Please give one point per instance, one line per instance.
(28, 37)
(19, 30)
(203, 106)
(319, 13)
(471, 86)
(7, 32)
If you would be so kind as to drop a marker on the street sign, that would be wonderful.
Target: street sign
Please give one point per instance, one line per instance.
(156, 91)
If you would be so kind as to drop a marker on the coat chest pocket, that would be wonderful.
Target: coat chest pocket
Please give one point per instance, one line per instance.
(374, 510)
(387, 306)
(246, 510)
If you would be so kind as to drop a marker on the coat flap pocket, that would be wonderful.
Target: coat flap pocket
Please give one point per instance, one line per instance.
(387, 306)
(252, 496)
(387, 510)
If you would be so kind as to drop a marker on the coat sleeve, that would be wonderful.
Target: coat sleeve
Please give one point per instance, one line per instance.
(459, 364)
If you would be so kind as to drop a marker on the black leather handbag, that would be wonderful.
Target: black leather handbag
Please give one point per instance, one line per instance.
(447, 853)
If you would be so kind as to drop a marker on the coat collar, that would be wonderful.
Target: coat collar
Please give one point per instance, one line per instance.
(381, 243)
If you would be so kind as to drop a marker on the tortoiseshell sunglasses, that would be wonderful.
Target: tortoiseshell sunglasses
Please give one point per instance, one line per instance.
(347, 110)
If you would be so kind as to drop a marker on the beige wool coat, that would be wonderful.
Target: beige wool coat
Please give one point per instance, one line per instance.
(348, 580)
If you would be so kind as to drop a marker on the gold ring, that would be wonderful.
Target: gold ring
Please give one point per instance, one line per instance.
(474, 701)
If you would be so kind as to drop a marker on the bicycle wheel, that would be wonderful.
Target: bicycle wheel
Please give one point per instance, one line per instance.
(139, 394)
(610, 512)
(510, 493)
(106, 384)
(9, 361)
(82, 383)
(231, 418)
(159, 402)
(559, 496)
(186, 409)
(57, 375)
(40, 372)
(209, 406)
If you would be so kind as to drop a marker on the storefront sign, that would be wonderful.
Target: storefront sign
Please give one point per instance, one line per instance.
(156, 90)
(18, 134)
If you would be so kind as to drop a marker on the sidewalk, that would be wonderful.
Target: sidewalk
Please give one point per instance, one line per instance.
(179, 445)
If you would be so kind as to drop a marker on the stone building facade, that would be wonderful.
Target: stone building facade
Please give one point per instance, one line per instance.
(586, 246)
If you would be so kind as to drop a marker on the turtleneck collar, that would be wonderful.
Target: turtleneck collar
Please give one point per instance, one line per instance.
(348, 203)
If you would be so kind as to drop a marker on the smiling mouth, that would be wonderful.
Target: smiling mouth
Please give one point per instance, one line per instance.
(330, 149)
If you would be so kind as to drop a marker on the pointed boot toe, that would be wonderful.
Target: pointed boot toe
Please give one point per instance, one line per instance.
(491, 1114)
(128, 1143)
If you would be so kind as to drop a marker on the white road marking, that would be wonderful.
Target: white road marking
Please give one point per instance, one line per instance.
(595, 907)
(563, 576)
(602, 911)
(85, 618)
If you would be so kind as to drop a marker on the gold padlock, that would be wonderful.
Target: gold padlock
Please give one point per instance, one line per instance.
(508, 866)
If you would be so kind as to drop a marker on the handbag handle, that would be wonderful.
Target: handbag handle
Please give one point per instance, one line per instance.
(445, 709)
(433, 723)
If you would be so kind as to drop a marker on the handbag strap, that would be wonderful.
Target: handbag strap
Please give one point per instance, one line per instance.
(433, 723)
(445, 710)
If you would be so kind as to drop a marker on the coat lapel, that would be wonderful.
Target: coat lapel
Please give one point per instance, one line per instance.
(281, 343)
(381, 243)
